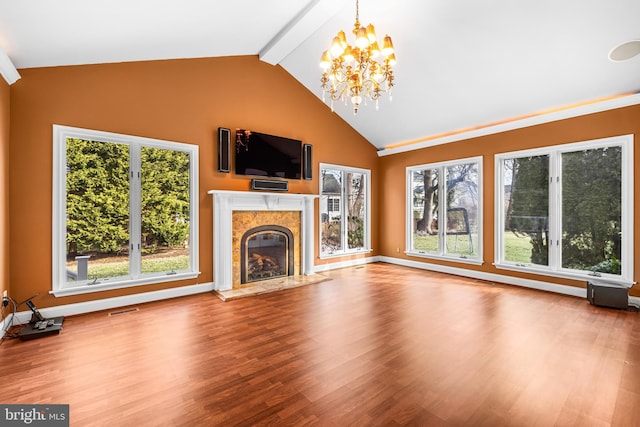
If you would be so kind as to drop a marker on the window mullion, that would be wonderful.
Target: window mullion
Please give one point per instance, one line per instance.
(442, 211)
(499, 232)
(555, 210)
(627, 209)
(344, 212)
(409, 201)
(135, 192)
(367, 227)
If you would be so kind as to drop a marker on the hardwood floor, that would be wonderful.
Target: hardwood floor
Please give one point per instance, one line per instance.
(377, 345)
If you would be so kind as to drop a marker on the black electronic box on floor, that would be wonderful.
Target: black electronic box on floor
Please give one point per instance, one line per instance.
(608, 294)
(39, 326)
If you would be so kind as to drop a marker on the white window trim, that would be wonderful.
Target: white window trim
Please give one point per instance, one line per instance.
(478, 260)
(555, 269)
(367, 239)
(60, 135)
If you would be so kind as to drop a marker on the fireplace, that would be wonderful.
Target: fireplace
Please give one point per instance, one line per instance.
(267, 252)
(261, 219)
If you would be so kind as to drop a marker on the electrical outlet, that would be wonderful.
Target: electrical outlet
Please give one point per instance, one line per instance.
(4, 294)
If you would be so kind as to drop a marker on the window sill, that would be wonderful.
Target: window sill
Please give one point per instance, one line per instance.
(464, 260)
(107, 286)
(343, 254)
(566, 275)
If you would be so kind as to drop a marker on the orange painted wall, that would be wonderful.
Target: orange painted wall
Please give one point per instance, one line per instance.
(177, 100)
(4, 188)
(622, 121)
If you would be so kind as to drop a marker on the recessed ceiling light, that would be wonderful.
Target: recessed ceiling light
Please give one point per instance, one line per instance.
(624, 51)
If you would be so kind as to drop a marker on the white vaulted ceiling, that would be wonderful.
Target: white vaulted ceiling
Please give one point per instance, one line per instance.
(461, 64)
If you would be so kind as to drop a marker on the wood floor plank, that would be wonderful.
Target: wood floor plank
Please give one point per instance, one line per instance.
(376, 345)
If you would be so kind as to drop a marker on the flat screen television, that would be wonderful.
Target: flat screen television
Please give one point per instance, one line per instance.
(259, 154)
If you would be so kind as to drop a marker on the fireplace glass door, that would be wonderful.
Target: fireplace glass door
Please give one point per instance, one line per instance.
(266, 254)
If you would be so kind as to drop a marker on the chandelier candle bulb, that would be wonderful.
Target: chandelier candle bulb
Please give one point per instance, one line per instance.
(362, 41)
(325, 61)
(371, 34)
(391, 59)
(347, 56)
(374, 49)
(352, 71)
(343, 39)
(387, 47)
(336, 47)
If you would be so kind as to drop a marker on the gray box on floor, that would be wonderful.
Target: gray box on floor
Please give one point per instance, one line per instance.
(608, 294)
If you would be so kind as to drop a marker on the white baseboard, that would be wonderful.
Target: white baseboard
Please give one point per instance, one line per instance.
(491, 277)
(344, 264)
(499, 278)
(109, 303)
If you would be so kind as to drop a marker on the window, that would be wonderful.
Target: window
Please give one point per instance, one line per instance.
(444, 210)
(567, 210)
(344, 210)
(124, 211)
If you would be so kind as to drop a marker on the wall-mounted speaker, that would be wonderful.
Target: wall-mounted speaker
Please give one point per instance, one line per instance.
(269, 185)
(224, 148)
(307, 163)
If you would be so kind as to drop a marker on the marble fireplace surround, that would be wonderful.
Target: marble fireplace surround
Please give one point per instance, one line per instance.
(226, 202)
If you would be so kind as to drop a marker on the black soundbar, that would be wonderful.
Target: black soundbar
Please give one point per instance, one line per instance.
(269, 185)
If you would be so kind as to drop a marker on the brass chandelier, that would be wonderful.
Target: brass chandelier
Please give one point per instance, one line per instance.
(361, 71)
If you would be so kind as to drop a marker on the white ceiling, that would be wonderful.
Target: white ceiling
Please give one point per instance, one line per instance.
(461, 64)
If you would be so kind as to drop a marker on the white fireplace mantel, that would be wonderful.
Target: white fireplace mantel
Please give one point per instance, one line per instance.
(225, 202)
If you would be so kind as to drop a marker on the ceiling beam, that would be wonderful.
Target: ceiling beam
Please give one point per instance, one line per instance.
(312, 17)
(7, 69)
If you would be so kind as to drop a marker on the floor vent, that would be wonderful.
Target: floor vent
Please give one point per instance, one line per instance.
(125, 311)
